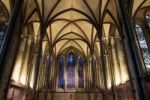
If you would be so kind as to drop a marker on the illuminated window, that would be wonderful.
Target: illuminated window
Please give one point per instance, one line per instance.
(2, 36)
(70, 72)
(81, 72)
(71, 60)
(61, 62)
(143, 45)
(148, 20)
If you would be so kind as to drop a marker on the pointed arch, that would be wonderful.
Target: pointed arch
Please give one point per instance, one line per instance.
(61, 71)
(143, 46)
(81, 65)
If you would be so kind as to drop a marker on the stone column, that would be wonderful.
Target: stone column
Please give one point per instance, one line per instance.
(104, 66)
(12, 40)
(37, 63)
(130, 45)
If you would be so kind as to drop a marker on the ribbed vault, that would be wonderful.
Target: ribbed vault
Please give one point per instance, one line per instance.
(88, 28)
(91, 27)
(70, 22)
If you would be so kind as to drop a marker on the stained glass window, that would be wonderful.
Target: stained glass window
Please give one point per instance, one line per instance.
(148, 20)
(2, 36)
(70, 72)
(61, 81)
(80, 72)
(71, 60)
(143, 46)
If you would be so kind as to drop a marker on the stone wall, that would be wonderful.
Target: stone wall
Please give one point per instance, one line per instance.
(70, 96)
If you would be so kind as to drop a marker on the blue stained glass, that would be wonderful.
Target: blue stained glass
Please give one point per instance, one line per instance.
(80, 72)
(61, 68)
(61, 82)
(61, 59)
(71, 60)
(143, 45)
(2, 36)
(70, 71)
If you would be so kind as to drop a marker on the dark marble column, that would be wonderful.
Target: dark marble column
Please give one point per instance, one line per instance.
(130, 45)
(12, 41)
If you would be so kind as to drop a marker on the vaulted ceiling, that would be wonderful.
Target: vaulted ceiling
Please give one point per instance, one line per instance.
(140, 7)
(71, 22)
(74, 23)
(4, 10)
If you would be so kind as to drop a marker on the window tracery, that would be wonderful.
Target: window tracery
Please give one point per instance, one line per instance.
(61, 81)
(70, 72)
(71, 60)
(143, 45)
